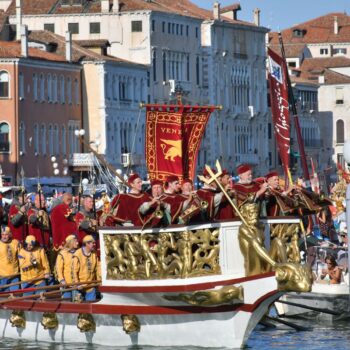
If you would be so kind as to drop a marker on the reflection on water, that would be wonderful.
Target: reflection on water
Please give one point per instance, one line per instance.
(320, 337)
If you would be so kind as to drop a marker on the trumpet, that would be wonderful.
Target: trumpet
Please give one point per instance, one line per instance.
(203, 204)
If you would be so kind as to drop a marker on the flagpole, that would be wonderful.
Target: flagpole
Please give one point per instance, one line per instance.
(296, 120)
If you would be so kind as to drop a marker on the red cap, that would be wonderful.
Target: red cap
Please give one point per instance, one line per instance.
(171, 178)
(156, 182)
(132, 178)
(206, 174)
(271, 174)
(187, 181)
(243, 168)
(224, 172)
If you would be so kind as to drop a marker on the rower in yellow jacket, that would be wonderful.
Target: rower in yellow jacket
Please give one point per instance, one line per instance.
(86, 267)
(64, 272)
(9, 272)
(33, 265)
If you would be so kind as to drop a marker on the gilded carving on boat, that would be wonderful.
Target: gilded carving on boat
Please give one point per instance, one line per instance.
(18, 319)
(284, 243)
(131, 324)
(49, 320)
(290, 275)
(86, 323)
(224, 295)
(164, 255)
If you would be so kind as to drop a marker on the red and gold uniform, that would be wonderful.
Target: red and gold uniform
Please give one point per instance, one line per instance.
(17, 222)
(8, 257)
(63, 224)
(39, 226)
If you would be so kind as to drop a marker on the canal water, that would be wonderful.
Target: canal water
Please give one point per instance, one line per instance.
(318, 336)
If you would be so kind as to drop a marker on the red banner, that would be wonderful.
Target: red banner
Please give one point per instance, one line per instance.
(173, 138)
(280, 105)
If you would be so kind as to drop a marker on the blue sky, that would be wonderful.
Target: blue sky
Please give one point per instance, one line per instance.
(281, 14)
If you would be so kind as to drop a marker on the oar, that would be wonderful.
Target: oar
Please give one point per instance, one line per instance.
(289, 324)
(55, 286)
(325, 311)
(9, 276)
(45, 294)
(21, 282)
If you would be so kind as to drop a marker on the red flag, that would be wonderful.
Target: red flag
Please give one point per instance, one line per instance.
(173, 137)
(280, 105)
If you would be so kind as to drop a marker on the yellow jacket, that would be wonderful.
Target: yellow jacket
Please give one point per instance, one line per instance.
(85, 268)
(29, 270)
(64, 266)
(8, 258)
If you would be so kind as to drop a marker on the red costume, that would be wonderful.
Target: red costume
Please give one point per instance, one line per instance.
(19, 229)
(243, 190)
(176, 202)
(36, 228)
(125, 207)
(63, 224)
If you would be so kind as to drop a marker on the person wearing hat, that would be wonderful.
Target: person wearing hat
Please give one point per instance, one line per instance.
(210, 194)
(85, 219)
(86, 268)
(33, 265)
(225, 210)
(63, 265)
(245, 185)
(39, 221)
(177, 203)
(125, 207)
(8, 260)
(17, 218)
(187, 187)
(62, 220)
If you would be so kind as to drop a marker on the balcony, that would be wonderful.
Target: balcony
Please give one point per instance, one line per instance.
(81, 160)
(186, 86)
(129, 159)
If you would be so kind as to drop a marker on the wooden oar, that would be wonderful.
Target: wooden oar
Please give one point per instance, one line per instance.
(9, 276)
(289, 324)
(21, 282)
(325, 311)
(44, 294)
(55, 286)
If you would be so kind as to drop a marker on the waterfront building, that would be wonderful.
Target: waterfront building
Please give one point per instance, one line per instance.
(212, 55)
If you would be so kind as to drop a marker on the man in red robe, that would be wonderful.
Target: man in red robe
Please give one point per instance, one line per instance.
(225, 210)
(125, 207)
(177, 202)
(62, 220)
(246, 186)
(39, 222)
(17, 218)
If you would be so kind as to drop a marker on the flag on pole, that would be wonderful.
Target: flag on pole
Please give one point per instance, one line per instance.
(280, 105)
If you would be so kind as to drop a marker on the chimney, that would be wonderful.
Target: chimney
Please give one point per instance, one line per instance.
(115, 6)
(257, 17)
(216, 11)
(336, 26)
(24, 41)
(68, 46)
(105, 6)
(18, 19)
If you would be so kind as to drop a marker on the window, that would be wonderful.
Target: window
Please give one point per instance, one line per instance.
(76, 92)
(35, 87)
(22, 138)
(187, 30)
(51, 148)
(197, 70)
(298, 33)
(42, 88)
(164, 66)
(292, 64)
(54, 89)
(63, 140)
(340, 131)
(136, 26)
(4, 84)
(181, 29)
(163, 27)
(339, 96)
(69, 90)
(56, 140)
(269, 130)
(63, 91)
(323, 51)
(339, 51)
(153, 25)
(4, 137)
(188, 67)
(50, 27)
(36, 139)
(122, 90)
(95, 28)
(169, 28)
(43, 138)
(73, 28)
(49, 88)
(154, 66)
(197, 32)
(21, 86)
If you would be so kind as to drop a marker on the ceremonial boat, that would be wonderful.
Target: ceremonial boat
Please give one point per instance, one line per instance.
(174, 286)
